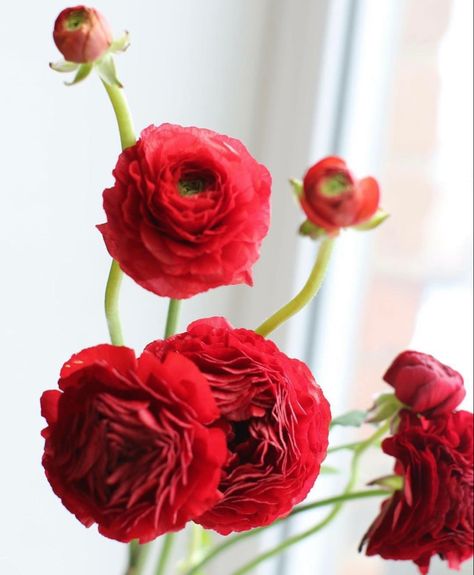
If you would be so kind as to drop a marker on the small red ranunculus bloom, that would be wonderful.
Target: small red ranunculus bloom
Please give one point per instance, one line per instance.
(332, 198)
(82, 34)
(433, 514)
(129, 443)
(275, 416)
(188, 211)
(424, 384)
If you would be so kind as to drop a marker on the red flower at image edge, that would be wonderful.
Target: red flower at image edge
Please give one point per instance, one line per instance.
(275, 416)
(433, 514)
(424, 384)
(332, 198)
(129, 443)
(188, 211)
(82, 34)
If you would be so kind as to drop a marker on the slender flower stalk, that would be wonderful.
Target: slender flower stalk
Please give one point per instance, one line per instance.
(168, 541)
(231, 541)
(358, 452)
(307, 293)
(172, 318)
(127, 139)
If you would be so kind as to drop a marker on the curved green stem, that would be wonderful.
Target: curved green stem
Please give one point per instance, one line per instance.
(112, 293)
(358, 452)
(218, 549)
(122, 113)
(174, 307)
(165, 553)
(309, 290)
(127, 138)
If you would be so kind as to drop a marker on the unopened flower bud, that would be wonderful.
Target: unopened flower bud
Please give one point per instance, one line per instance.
(82, 34)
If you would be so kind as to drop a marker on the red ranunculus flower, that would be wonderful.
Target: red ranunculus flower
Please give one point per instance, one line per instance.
(82, 34)
(129, 443)
(333, 199)
(433, 514)
(188, 211)
(424, 384)
(275, 416)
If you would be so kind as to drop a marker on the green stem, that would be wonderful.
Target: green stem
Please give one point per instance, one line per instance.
(137, 558)
(358, 452)
(112, 312)
(218, 549)
(309, 290)
(127, 139)
(174, 307)
(122, 113)
(165, 553)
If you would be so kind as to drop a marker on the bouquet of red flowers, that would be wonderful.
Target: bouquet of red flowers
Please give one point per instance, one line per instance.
(215, 426)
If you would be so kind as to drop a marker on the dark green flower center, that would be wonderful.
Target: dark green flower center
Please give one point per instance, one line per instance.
(76, 19)
(191, 187)
(334, 186)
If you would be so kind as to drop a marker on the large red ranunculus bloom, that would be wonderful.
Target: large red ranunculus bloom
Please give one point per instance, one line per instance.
(82, 34)
(333, 199)
(433, 514)
(129, 443)
(188, 211)
(424, 384)
(275, 415)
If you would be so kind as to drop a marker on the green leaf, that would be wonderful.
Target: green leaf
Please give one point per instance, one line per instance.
(350, 419)
(385, 406)
(379, 217)
(83, 71)
(390, 482)
(106, 70)
(121, 44)
(63, 66)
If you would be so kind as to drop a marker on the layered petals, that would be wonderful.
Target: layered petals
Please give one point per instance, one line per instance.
(275, 417)
(131, 443)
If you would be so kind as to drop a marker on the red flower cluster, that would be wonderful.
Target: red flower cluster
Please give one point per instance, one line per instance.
(82, 34)
(188, 211)
(433, 447)
(215, 425)
(333, 198)
(275, 417)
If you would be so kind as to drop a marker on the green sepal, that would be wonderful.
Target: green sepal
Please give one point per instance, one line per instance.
(311, 230)
(297, 186)
(82, 72)
(328, 470)
(385, 406)
(389, 482)
(378, 218)
(350, 419)
(106, 69)
(121, 44)
(63, 66)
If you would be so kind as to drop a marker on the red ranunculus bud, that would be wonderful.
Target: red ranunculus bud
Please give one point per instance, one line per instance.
(424, 384)
(82, 34)
(332, 198)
